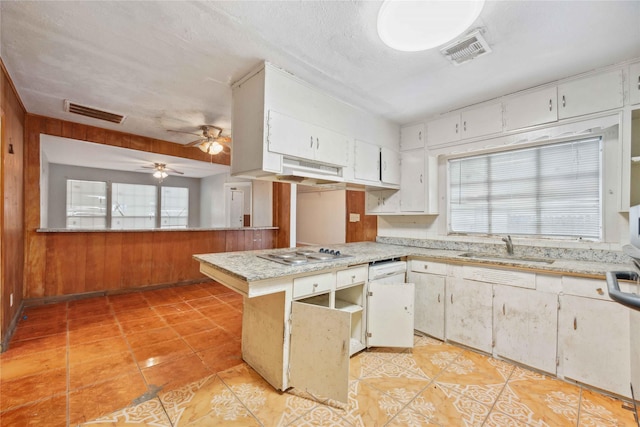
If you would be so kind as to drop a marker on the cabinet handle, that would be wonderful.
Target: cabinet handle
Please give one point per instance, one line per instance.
(456, 128)
(638, 82)
(426, 266)
(311, 145)
(451, 298)
(317, 143)
(564, 101)
(550, 105)
(503, 313)
(600, 291)
(420, 178)
(464, 126)
(438, 297)
(315, 285)
(353, 278)
(575, 323)
(420, 133)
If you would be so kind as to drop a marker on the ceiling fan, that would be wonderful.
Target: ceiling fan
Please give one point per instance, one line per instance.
(211, 142)
(161, 171)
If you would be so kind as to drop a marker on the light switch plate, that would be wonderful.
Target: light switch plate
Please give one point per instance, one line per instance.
(354, 217)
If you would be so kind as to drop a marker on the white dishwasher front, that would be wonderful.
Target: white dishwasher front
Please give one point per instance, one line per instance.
(390, 302)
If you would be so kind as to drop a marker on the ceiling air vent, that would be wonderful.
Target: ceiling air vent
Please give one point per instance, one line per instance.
(94, 113)
(467, 48)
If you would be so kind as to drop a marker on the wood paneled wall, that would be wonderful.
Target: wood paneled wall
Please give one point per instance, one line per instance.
(12, 189)
(79, 262)
(70, 262)
(282, 213)
(367, 228)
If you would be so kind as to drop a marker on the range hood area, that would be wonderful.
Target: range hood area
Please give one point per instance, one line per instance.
(286, 130)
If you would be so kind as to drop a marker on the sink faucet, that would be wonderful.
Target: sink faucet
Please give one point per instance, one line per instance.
(509, 243)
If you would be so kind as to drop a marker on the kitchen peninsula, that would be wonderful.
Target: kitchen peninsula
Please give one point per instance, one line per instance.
(302, 323)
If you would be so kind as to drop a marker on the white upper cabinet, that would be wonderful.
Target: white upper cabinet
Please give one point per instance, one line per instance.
(634, 83)
(482, 121)
(418, 183)
(389, 166)
(530, 109)
(443, 130)
(366, 162)
(591, 94)
(412, 137)
(331, 147)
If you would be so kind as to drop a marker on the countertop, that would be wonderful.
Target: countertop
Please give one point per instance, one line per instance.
(247, 267)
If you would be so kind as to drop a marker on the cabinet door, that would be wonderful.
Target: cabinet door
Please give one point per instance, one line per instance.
(590, 95)
(482, 121)
(390, 316)
(429, 303)
(594, 343)
(468, 313)
(412, 137)
(634, 83)
(412, 181)
(331, 147)
(526, 325)
(291, 137)
(531, 109)
(382, 201)
(389, 166)
(443, 130)
(319, 357)
(366, 161)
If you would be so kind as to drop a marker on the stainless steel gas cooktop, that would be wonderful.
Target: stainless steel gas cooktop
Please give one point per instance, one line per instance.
(304, 256)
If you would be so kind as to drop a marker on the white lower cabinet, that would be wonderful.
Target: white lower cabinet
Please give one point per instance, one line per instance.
(525, 326)
(594, 343)
(430, 296)
(468, 313)
(328, 328)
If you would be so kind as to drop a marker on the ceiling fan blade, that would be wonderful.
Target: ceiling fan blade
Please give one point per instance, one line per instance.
(196, 142)
(223, 139)
(174, 171)
(182, 131)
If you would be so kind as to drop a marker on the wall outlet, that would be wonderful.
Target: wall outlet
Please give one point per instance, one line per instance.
(11, 300)
(354, 217)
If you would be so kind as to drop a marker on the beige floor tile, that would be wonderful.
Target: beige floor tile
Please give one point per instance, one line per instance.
(434, 356)
(148, 414)
(324, 416)
(269, 406)
(498, 419)
(443, 406)
(370, 406)
(595, 407)
(539, 399)
(403, 389)
(208, 402)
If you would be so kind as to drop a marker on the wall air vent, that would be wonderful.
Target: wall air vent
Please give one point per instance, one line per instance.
(467, 48)
(94, 113)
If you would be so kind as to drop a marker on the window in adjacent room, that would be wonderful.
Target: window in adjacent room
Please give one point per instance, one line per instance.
(551, 191)
(86, 204)
(174, 210)
(133, 206)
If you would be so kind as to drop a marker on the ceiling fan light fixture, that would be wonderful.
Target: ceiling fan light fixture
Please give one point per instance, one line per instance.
(412, 26)
(160, 174)
(211, 147)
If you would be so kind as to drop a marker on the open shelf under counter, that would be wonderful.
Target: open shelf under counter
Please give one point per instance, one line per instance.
(347, 306)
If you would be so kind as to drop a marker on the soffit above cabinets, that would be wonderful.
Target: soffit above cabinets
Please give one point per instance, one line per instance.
(169, 65)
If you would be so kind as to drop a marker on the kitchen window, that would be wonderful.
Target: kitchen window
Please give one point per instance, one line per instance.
(174, 210)
(133, 206)
(550, 191)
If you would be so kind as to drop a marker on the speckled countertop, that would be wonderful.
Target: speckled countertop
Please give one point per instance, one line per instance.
(247, 267)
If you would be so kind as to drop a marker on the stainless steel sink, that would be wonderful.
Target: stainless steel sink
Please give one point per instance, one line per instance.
(505, 257)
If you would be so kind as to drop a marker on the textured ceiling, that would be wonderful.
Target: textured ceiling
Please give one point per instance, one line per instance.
(169, 65)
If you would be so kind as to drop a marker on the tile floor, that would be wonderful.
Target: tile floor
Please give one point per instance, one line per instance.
(172, 358)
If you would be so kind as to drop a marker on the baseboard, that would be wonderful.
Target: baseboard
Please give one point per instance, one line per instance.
(6, 338)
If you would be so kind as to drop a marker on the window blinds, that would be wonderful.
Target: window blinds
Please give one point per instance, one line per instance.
(551, 190)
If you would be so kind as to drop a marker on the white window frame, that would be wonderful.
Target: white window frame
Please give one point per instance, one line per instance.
(525, 146)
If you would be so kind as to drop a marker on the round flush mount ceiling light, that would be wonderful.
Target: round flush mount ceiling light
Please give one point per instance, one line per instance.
(414, 25)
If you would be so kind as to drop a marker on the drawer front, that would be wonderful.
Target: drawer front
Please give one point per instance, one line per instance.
(583, 287)
(303, 286)
(428, 267)
(352, 276)
(519, 279)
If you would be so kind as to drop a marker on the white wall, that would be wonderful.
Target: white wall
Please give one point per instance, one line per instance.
(212, 210)
(262, 204)
(321, 217)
